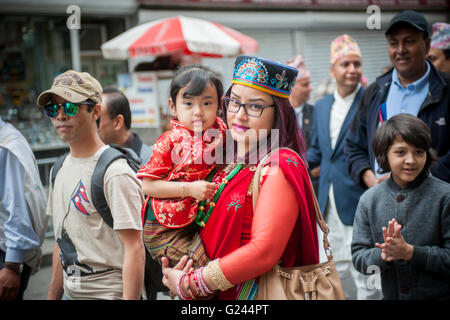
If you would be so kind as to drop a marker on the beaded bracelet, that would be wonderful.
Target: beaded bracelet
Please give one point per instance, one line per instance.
(179, 291)
(197, 281)
(203, 287)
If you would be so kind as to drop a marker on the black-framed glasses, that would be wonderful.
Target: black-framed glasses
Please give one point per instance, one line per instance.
(251, 109)
(69, 108)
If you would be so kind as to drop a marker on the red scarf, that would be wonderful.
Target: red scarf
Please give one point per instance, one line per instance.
(229, 226)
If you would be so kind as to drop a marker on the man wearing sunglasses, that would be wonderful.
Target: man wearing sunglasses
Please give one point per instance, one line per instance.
(90, 259)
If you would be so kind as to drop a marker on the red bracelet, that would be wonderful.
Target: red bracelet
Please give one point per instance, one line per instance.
(191, 287)
(179, 291)
(196, 285)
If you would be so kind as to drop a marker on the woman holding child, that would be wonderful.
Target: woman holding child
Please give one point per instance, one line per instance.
(243, 243)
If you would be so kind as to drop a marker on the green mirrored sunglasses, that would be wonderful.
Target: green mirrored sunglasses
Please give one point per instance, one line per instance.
(69, 108)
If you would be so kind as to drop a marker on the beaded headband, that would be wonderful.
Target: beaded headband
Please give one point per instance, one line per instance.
(264, 75)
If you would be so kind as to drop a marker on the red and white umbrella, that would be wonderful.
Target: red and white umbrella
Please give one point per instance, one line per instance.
(179, 34)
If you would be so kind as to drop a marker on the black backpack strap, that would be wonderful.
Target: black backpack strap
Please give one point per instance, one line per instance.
(133, 159)
(56, 166)
(97, 180)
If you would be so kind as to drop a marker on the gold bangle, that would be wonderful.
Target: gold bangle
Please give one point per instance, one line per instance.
(217, 276)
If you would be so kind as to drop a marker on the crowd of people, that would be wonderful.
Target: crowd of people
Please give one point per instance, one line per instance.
(186, 221)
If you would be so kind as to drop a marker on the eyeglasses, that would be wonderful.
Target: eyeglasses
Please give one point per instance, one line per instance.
(69, 108)
(251, 109)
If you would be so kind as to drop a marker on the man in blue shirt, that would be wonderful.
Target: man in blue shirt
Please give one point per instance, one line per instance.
(414, 86)
(22, 213)
(409, 98)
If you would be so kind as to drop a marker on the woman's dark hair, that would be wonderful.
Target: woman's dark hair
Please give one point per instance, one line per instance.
(195, 78)
(289, 134)
(411, 129)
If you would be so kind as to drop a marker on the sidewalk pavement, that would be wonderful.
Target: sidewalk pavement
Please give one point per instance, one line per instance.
(38, 284)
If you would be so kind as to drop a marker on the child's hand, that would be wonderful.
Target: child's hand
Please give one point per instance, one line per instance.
(384, 256)
(201, 190)
(392, 231)
(397, 249)
(394, 247)
(171, 276)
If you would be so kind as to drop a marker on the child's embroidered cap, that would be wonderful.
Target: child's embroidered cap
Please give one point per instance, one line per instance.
(268, 76)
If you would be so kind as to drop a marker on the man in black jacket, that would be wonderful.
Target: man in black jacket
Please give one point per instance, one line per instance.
(414, 86)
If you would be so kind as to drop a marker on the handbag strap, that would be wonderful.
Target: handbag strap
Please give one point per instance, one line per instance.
(256, 184)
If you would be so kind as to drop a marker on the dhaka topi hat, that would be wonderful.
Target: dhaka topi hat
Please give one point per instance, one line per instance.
(341, 46)
(298, 63)
(413, 18)
(73, 86)
(265, 75)
(441, 36)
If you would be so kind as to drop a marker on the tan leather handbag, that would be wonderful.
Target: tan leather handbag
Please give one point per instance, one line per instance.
(311, 282)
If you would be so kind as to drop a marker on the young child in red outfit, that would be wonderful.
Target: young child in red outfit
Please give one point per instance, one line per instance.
(174, 178)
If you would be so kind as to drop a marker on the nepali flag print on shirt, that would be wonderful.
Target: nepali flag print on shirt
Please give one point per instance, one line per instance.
(80, 194)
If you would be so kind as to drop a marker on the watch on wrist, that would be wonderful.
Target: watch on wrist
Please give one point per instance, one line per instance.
(16, 267)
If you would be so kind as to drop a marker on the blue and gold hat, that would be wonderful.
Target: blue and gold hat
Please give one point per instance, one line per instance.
(268, 76)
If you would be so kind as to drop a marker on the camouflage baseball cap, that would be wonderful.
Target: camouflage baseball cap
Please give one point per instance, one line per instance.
(73, 86)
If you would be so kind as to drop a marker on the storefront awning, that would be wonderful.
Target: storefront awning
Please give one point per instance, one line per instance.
(59, 7)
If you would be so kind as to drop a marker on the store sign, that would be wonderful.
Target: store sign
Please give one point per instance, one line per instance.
(143, 97)
(322, 4)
